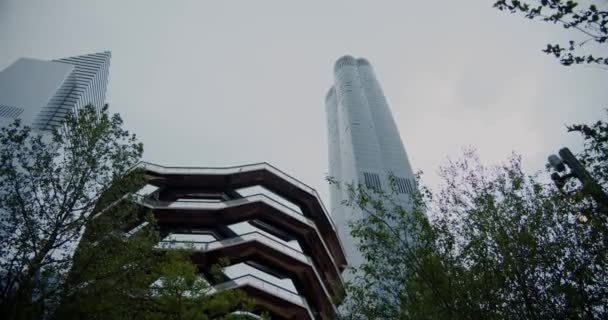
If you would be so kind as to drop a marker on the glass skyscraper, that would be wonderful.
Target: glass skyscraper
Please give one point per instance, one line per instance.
(365, 147)
(42, 93)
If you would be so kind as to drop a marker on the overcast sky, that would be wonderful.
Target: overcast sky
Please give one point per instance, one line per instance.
(218, 83)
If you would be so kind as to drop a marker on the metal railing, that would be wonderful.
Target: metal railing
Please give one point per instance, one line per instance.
(194, 205)
(238, 169)
(205, 246)
(218, 205)
(260, 284)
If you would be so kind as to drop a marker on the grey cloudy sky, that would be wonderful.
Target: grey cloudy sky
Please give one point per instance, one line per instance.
(217, 83)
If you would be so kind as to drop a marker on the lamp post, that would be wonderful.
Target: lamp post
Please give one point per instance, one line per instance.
(566, 158)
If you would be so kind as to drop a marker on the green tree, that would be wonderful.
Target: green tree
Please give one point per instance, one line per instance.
(48, 186)
(52, 188)
(121, 274)
(491, 243)
(591, 23)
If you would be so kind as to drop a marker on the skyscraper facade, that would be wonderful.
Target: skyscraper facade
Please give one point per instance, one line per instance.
(42, 93)
(365, 147)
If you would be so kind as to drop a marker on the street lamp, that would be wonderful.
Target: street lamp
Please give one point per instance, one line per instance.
(577, 170)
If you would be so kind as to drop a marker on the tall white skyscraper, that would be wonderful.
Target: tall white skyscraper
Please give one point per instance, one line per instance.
(42, 93)
(364, 144)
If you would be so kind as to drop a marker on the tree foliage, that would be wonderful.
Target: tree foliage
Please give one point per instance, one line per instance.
(591, 22)
(55, 186)
(48, 186)
(123, 275)
(491, 243)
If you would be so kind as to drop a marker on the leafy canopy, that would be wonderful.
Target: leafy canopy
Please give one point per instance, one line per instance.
(53, 187)
(491, 243)
(590, 22)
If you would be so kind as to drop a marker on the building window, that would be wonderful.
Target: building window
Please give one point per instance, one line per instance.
(9, 112)
(372, 180)
(404, 185)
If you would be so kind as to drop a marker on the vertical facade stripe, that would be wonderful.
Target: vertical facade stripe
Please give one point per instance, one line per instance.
(86, 85)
